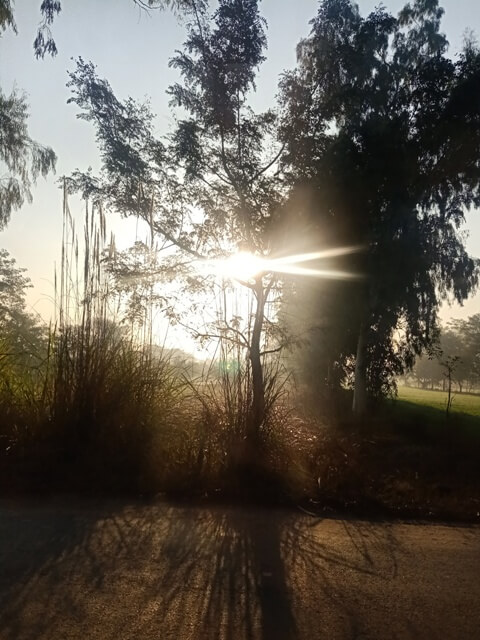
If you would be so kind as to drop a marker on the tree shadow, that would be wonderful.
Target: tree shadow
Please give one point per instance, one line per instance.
(159, 571)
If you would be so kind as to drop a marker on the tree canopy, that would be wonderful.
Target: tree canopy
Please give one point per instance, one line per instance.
(384, 129)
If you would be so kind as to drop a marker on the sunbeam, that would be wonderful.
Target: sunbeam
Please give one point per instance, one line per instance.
(246, 266)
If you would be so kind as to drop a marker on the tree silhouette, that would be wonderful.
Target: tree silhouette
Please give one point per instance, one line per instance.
(211, 189)
(385, 130)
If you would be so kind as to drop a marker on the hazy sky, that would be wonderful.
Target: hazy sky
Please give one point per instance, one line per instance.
(132, 49)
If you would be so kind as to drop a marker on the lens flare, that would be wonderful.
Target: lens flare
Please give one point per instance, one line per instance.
(244, 266)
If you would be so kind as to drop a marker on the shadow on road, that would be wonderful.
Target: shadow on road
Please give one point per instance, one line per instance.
(167, 572)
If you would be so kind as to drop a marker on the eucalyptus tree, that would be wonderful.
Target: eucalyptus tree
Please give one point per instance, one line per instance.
(384, 128)
(211, 189)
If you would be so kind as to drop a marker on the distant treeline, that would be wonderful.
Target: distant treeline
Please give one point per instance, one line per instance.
(458, 344)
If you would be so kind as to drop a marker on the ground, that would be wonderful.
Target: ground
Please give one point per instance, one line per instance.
(108, 569)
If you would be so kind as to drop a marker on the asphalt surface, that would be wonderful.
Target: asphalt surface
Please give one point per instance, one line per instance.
(115, 570)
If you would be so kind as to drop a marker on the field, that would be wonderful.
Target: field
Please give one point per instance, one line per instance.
(462, 402)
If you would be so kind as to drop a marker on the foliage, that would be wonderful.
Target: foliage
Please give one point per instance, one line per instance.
(22, 158)
(6, 16)
(86, 393)
(13, 285)
(313, 311)
(20, 333)
(44, 42)
(384, 129)
(466, 334)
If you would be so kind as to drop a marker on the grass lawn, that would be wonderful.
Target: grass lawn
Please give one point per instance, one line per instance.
(421, 411)
(462, 402)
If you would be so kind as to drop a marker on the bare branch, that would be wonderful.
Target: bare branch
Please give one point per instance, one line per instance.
(276, 350)
(264, 169)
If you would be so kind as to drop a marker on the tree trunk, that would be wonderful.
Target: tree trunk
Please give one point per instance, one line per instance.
(360, 385)
(449, 392)
(257, 408)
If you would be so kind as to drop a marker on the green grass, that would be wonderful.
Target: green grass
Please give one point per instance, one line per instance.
(462, 403)
(421, 413)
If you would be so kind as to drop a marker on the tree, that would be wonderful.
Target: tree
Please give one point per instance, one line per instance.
(21, 158)
(453, 350)
(428, 371)
(211, 189)
(20, 334)
(462, 338)
(6, 16)
(44, 42)
(458, 344)
(313, 311)
(385, 130)
(449, 364)
(13, 286)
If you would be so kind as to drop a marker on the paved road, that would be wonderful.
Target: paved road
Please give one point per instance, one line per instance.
(115, 571)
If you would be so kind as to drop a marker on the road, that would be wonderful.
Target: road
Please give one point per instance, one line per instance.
(110, 570)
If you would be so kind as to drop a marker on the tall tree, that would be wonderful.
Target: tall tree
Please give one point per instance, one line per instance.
(385, 128)
(211, 189)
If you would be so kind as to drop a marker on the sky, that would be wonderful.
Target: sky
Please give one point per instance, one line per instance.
(131, 49)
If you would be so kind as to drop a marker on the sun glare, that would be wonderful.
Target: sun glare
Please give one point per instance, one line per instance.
(244, 266)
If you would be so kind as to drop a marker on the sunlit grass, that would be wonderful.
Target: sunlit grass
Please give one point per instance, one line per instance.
(462, 402)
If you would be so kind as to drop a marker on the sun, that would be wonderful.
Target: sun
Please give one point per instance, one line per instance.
(241, 266)
(245, 267)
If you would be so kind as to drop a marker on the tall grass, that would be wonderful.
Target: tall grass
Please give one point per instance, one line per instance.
(85, 405)
(92, 399)
(100, 409)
